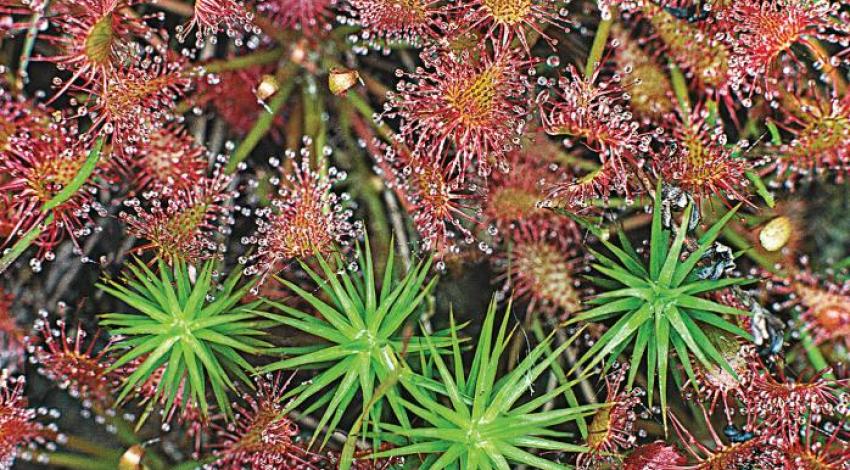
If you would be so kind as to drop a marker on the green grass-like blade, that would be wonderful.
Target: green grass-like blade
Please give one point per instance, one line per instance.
(662, 336)
(667, 270)
(637, 352)
(78, 180)
(684, 332)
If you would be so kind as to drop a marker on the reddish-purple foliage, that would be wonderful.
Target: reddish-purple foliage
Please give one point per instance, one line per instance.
(232, 95)
(655, 456)
(182, 221)
(502, 21)
(758, 450)
(73, 364)
(93, 38)
(134, 102)
(596, 113)
(171, 158)
(782, 402)
(699, 160)
(312, 17)
(612, 428)
(17, 422)
(34, 171)
(819, 124)
(396, 20)
(541, 265)
(13, 338)
(262, 436)
(305, 218)
(824, 306)
(763, 33)
(466, 108)
(212, 16)
(441, 203)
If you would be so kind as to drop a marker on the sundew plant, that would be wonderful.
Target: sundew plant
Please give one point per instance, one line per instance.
(436, 234)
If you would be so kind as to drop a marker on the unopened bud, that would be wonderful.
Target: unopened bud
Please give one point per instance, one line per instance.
(132, 458)
(341, 80)
(775, 234)
(267, 87)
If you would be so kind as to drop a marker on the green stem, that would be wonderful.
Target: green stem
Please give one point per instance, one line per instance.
(619, 203)
(79, 179)
(814, 354)
(90, 448)
(29, 43)
(680, 89)
(76, 462)
(23, 243)
(243, 61)
(761, 188)
(775, 136)
(265, 121)
(598, 47)
(367, 112)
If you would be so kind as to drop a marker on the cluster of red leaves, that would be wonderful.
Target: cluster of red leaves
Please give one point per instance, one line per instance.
(129, 82)
(465, 109)
(463, 127)
(595, 111)
(699, 159)
(237, 105)
(612, 429)
(305, 217)
(72, 363)
(263, 437)
(776, 423)
(182, 221)
(38, 158)
(18, 425)
(785, 424)
(129, 89)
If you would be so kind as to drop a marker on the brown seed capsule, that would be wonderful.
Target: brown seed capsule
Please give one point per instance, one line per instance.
(341, 80)
(132, 458)
(267, 87)
(775, 234)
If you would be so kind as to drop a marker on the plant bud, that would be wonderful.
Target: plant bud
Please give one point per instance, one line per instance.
(267, 87)
(341, 80)
(775, 234)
